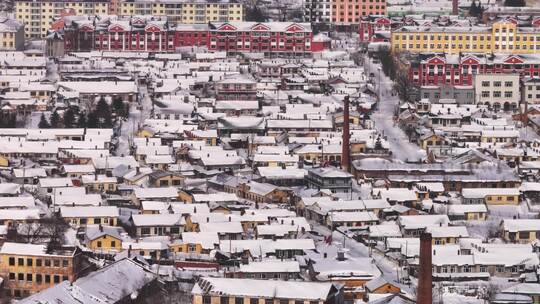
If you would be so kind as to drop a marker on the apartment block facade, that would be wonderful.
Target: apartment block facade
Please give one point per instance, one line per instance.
(28, 268)
(157, 35)
(501, 37)
(187, 12)
(350, 12)
(459, 70)
(11, 35)
(38, 15)
(498, 91)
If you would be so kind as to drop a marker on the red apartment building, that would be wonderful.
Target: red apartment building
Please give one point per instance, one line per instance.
(290, 39)
(375, 28)
(150, 34)
(437, 69)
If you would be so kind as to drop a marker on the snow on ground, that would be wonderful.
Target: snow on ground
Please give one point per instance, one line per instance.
(388, 267)
(454, 298)
(383, 118)
(135, 119)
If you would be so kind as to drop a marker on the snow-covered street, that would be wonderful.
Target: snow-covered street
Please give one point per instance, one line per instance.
(138, 112)
(383, 117)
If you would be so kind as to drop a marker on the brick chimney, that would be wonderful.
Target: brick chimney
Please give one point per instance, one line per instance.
(345, 148)
(455, 8)
(424, 294)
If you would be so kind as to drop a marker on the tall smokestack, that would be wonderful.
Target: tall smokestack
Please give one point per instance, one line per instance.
(455, 9)
(345, 153)
(424, 294)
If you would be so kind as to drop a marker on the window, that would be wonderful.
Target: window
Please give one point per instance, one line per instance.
(29, 262)
(47, 278)
(238, 300)
(56, 279)
(20, 262)
(47, 263)
(508, 94)
(56, 263)
(206, 299)
(20, 276)
(497, 84)
(224, 300)
(39, 278)
(38, 262)
(99, 244)
(508, 84)
(485, 94)
(485, 84)
(524, 235)
(113, 244)
(11, 261)
(29, 277)
(12, 276)
(497, 94)
(253, 301)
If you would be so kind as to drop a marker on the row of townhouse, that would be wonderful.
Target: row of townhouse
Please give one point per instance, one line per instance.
(161, 35)
(39, 16)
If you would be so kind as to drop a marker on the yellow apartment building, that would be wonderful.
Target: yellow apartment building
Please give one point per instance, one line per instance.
(29, 268)
(37, 15)
(501, 37)
(11, 35)
(184, 11)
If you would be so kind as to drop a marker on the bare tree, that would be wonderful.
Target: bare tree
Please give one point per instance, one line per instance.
(403, 86)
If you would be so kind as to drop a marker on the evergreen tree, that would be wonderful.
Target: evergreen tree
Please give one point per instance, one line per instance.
(473, 10)
(514, 3)
(255, 14)
(12, 121)
(92, 121)
(103, 114)
(43, 123)
(55, 119)
(81, 123)
(69, 118)
(119, 107)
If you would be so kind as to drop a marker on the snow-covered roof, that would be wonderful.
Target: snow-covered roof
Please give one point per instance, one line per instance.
(270, 266)
(517, 225)
(422, 221)
(483, 192)
(270, 289)
(165, 192)
(208, 240)
(89, 211)
(163, 219)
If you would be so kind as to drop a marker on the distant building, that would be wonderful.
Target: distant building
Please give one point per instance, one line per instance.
(501, 37)
(39, 15)
(347, 13)
(181, 11)
(28, 268)
(336, 180)
(11, 35)
(498, 91)
(318, 11)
